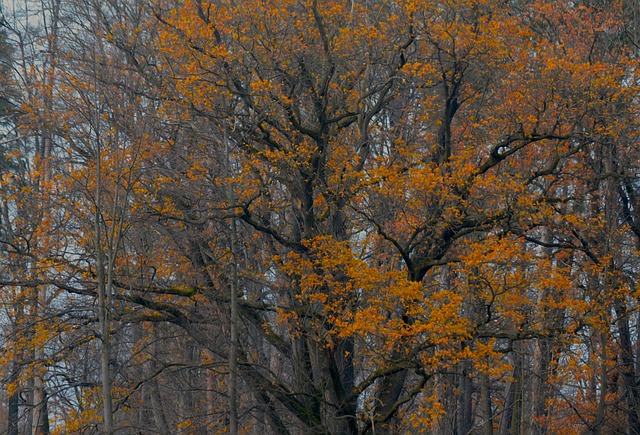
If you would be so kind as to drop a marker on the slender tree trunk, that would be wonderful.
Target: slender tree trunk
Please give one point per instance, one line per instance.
(13, 402)
(233, 302)
(596, 427)
(486, 427)
(233, 351)
(105, 356)
(103, 308)
(512, 416)
(627, 369)
(158, 407)
(211, 402)
(517, 419)
(40, 409)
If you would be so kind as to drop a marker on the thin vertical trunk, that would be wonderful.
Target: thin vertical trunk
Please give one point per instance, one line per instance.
(233, 351)
(187, 397)
(40, 409)
(157, 407)
(542, 355)
(517, 418)
(14, 402)
(637, 346)
(450, 403)
(103, 309)
(596, 428)
(211, 401)
(233, 302)
(511, 415)
(27, 395)
(108, 247)
(486, 427)
(627, 369)
(604, 200)
(39, 414)
(105, 352)
(40, 419)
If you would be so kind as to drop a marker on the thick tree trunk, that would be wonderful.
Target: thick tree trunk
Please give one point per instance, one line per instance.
(40, 409)
(465, 402)
(341, 372)
(539, 389)
(511, 421)
(391, 388)
(157, 407)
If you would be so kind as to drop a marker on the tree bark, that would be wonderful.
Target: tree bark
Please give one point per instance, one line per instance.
(486, 413)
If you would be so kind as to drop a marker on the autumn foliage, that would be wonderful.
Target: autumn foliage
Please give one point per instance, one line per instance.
(303, 216)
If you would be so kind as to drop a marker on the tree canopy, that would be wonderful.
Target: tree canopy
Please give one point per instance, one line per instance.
(303, 216)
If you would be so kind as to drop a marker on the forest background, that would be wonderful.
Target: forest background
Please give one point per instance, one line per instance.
(306, 216)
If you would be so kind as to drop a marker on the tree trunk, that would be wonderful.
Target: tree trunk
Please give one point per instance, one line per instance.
(465, 402)
(486, 427)
(40, 409)
(596, 427)
(511, 420)
(13, 403)
(627, 368)
(103, 305)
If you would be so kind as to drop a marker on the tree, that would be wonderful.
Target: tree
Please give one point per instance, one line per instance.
(401, 133)
(334, 217)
